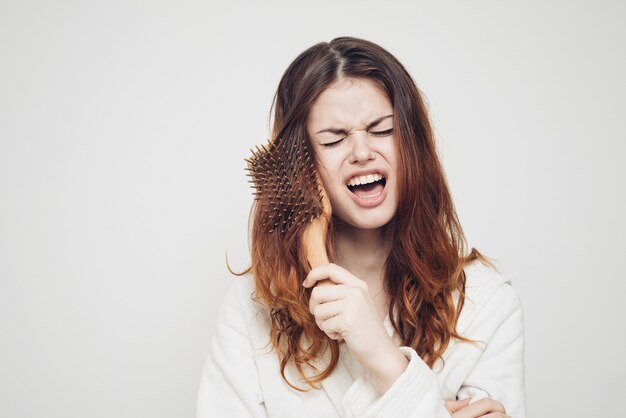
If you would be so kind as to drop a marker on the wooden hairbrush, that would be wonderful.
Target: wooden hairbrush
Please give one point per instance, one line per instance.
(291, 195)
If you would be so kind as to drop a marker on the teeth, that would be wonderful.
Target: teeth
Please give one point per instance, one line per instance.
(370, 178)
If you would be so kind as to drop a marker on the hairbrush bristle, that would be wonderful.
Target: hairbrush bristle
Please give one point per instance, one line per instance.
(285, 182)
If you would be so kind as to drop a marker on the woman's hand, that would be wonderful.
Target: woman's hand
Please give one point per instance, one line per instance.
(485, 407)
(346, 311)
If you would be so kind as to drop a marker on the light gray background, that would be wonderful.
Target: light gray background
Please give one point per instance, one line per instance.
(123, 128)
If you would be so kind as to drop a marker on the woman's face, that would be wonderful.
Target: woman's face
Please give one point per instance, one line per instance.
(351, 130)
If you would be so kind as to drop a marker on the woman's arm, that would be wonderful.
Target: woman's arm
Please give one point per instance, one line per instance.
(229, 386)
(486, 407)
(347, 311)
(498, 373)
(497, 376)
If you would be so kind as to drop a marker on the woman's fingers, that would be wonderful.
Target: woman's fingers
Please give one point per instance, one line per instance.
(325, 294)
(483, 408)
(333, 272)
(345, 285)
(325, 311)
(454, 406)
(333, 327)
(326, 318)
(335, 307)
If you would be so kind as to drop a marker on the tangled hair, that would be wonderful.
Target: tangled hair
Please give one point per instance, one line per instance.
(424, 268)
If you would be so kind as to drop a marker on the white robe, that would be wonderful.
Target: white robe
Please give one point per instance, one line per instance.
(242, 377)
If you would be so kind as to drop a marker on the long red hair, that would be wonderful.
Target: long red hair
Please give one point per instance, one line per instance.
(424, 268)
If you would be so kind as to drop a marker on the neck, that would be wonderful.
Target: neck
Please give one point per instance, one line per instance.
(363, 252)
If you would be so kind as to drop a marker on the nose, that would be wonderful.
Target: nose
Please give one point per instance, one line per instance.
(361, 148)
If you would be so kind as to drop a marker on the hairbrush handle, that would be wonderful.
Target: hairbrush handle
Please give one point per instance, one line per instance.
(314, 236)
(314, 241)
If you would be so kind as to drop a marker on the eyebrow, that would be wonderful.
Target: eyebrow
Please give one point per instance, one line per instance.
(343, 131)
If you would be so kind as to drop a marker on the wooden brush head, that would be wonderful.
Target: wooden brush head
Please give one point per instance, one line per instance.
(286, 185)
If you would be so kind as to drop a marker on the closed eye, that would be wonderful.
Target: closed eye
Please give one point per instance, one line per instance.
(383, 133)
(332, 144)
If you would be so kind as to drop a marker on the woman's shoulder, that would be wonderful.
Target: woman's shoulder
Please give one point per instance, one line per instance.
(481, 276)
(241, 312)
(489, 294)
(241, 295)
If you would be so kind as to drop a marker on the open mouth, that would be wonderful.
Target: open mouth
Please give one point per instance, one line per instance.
(368, 186)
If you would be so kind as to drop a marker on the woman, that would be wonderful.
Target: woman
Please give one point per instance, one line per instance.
(412, 325)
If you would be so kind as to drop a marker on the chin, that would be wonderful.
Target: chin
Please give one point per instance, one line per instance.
(366, 223)
(350, 214)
